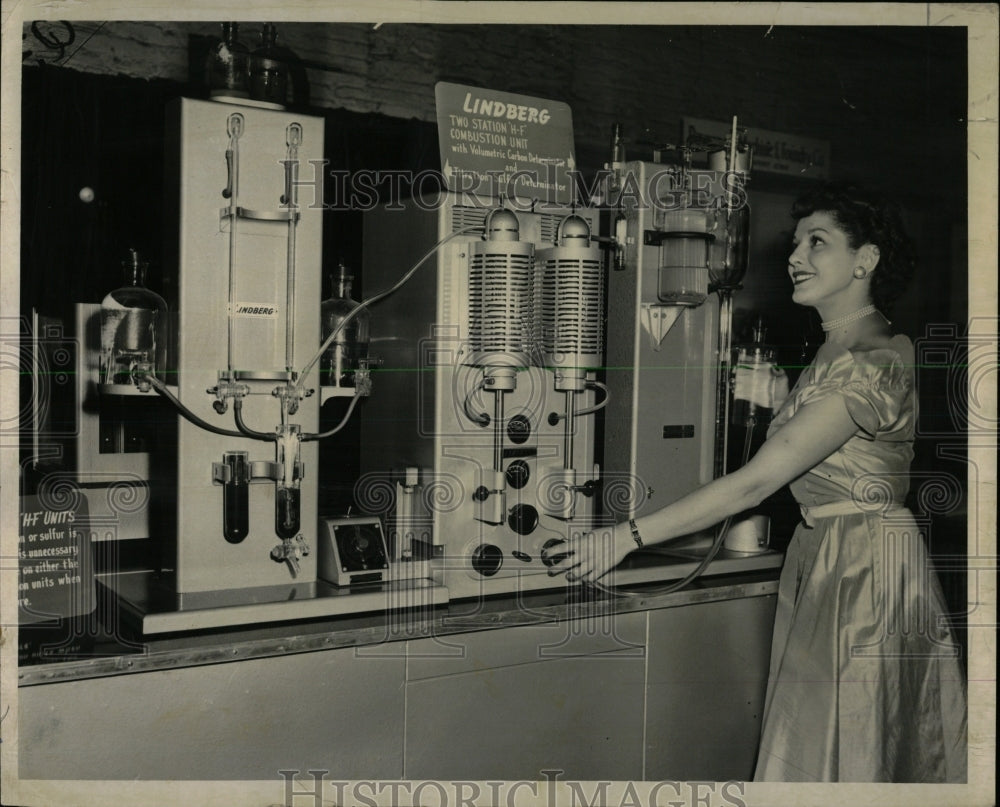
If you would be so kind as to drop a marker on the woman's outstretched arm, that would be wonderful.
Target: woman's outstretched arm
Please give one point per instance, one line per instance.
(815, 432)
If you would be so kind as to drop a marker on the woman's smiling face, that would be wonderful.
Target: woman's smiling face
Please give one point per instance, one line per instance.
(822, 266)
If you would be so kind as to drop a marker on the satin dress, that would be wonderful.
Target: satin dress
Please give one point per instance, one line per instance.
(866, 682)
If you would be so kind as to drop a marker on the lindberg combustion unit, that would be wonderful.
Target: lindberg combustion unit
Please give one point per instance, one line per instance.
(481, 442)
(481, 448)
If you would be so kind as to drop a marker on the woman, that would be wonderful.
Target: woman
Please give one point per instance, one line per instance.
(865, 683)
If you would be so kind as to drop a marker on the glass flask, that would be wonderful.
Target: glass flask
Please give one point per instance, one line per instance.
(754, 369)
(133, 323)
(227, 65)
(350, 346)
(269, 69)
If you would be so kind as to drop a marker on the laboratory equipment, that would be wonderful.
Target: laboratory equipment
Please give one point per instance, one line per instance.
(119, 344)
(758, 387)
(684, 253)
(750, 535)
(227, 72)
(758, 384)
(350, 330)
(479, 448)
(234, 497)
(133, 330)
(269, 69)
(352, 550)
(248, 262)
(570, 314)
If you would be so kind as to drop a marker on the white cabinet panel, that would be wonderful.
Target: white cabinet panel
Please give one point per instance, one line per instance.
(707, 678)
(246, 720)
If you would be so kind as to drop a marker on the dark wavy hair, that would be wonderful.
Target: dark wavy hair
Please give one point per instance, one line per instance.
(867, 217)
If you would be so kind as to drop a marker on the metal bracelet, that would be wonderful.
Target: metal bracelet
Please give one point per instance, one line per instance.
(635, 532)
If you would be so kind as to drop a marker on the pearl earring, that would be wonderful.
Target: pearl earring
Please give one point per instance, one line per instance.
(859, 272)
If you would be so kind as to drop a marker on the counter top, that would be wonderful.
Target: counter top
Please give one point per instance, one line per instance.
(111, 655)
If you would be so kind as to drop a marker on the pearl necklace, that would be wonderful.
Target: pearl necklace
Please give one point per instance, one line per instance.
(847, 319)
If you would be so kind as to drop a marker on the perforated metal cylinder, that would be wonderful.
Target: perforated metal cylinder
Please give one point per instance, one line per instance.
(571, 308)
(501, 298)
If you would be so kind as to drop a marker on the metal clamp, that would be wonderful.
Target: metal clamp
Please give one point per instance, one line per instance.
(287, 214)
(265, 469)
(225, 390)
(657, 237)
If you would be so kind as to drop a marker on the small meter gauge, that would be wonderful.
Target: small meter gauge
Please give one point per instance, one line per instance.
(360, 548)
(518, 429)
(517, 474)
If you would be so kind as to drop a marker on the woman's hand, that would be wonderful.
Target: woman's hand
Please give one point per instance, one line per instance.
(589, 556)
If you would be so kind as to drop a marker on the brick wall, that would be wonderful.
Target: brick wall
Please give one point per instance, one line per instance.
(890, 100)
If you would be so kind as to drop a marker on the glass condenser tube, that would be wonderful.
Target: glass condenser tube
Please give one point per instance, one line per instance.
(287, 491)
(236, 497)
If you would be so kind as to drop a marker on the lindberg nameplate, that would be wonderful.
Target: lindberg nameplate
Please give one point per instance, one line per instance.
(498, 144)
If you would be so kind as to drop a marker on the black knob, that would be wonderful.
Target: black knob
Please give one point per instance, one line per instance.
(548, 558)
(518, 429)
(523, 519)
(524, 557)
(487, 559)
(481, 494)
(517, 474)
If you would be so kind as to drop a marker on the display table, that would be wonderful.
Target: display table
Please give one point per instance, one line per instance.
(645, 687)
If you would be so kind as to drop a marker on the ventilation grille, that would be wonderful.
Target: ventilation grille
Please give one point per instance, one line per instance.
(500, 300)
(548, 227)
(571, 307)
(464, 216)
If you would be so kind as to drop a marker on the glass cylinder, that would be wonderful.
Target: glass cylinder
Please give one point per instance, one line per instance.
(133, 324)
(682, 276)
(730, 250)
(754, 366)
(269, 69)
(349, 347)
(227, 65)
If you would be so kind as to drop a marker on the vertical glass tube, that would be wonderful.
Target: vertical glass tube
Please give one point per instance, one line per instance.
(287, 511)
(287, 492)
(498, 432)
(568, 426)
(236, 497)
